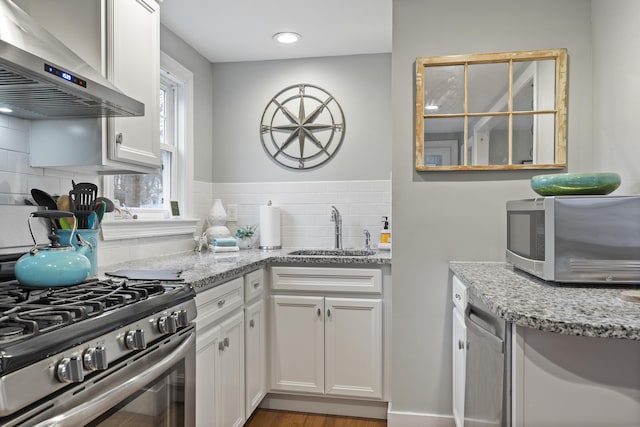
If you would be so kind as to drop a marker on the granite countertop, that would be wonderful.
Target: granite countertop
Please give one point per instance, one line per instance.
(592, 311)
(206, 269)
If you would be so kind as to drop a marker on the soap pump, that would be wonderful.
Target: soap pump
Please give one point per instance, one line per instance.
(385, 235)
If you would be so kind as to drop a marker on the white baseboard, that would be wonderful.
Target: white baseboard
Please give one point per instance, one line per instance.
(417, 419)
(325, 405)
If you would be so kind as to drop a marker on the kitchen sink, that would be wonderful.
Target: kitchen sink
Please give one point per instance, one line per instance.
(333, 252)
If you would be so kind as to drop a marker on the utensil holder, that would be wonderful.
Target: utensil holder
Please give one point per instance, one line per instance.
(90, 236)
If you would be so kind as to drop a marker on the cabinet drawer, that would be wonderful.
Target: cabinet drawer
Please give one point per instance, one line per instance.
(221, 300)
(358, 280)
(253, 284)
(459, 294)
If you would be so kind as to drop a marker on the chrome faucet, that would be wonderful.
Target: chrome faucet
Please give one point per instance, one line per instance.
(367, 240)
(337, 219)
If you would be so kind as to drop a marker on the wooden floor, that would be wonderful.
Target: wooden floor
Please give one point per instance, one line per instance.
(272, 418)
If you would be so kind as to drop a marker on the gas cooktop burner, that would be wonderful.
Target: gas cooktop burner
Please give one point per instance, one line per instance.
(35, 322)
(8, 333)
(25, 312)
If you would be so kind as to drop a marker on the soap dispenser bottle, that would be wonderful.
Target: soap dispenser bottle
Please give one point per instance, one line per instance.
(385, 235)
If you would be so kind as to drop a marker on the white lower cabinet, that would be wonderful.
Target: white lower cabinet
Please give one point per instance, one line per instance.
(255, 355)
(459, 349)
(207, 371)
(220, 364)
(297, 343)
(353, 347)
(459, 365)
(230, 402)
(220, 374)
(326, 345)
(231, 351)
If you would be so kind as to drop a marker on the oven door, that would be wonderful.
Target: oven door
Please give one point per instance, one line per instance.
(155, 387)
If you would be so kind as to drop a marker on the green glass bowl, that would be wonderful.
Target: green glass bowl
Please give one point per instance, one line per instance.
(574, 184)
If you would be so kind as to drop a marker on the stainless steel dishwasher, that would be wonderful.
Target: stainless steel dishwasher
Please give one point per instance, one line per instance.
(487, 399)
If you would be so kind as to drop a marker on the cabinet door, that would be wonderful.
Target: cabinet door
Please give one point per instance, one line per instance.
(353, 347)
(459, 340)
(134, 67)
(230, 406)
(207, 376)
(255, 356)
(297, 343)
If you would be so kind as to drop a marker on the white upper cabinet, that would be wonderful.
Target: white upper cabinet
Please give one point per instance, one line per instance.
(133, 48)
(121, 40)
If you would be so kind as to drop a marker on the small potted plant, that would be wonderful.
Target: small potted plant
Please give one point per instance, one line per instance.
(247, 236)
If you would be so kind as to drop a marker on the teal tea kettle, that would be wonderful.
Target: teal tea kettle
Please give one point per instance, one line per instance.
(55, 264)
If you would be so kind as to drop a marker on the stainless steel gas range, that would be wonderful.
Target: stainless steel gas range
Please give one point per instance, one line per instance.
(105, 352)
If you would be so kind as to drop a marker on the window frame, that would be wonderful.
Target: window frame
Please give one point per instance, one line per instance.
(155, 222)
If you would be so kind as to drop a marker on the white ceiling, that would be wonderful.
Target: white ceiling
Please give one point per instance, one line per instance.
(242, 30)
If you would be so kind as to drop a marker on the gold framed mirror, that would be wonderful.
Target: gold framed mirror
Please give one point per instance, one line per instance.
(492, 111)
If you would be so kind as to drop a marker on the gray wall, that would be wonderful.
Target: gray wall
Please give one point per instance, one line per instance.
(446, 216)
(360, 83)
(176, 48)
(616, 90)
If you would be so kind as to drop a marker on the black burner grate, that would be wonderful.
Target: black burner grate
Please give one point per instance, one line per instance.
(25, 312)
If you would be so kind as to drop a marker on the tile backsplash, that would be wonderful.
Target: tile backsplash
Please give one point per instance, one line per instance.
(305, 209)
(16, 176)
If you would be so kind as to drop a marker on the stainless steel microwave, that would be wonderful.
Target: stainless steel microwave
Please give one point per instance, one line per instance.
(576, 239)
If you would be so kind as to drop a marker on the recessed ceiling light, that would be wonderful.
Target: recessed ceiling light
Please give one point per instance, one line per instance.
(5, 110)
(432, 107)
(286, 37)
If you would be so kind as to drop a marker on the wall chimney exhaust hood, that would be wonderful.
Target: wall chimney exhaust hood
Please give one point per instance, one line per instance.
(41, 78)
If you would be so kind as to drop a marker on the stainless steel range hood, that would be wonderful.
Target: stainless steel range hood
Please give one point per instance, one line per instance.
(40, 78)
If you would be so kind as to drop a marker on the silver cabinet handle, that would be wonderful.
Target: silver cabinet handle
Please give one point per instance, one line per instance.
(252, 323)
(226, 342)
(328, 312)
(460, 345)
(458, 297)
(255, 285)
(221, 346)
(319, 312)
(221, 303)
(119, 138)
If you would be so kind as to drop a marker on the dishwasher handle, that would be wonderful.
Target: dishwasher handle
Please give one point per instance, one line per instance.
(486, 322)
(486, 372)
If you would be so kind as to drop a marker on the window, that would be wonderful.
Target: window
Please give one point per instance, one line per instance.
(155, 191)
(150, 194)
(491, 111)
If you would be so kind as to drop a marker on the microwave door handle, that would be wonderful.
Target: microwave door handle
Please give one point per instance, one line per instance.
(79, 414)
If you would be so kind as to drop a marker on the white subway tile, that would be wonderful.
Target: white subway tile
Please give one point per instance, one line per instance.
(4, 160)
(13, 183)
(14, 140)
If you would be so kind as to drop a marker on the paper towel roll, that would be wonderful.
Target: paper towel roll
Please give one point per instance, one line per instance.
(269, 227)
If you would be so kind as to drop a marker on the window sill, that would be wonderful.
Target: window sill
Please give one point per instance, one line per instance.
(120, 229)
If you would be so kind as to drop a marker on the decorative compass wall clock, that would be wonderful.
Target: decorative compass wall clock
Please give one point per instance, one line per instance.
(302, 127)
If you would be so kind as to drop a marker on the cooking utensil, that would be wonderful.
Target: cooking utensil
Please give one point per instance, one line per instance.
(110, 205)
(100, 209)
(63, 205)
(55, 265)
(42, 198)
(92, 220)
(82, 199)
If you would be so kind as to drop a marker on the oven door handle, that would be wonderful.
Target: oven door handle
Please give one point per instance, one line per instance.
(78, 415)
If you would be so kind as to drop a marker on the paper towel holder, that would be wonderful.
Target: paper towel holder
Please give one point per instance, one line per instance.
(266, 236)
